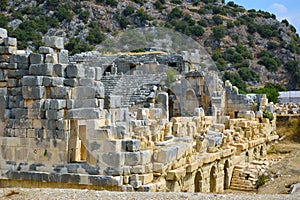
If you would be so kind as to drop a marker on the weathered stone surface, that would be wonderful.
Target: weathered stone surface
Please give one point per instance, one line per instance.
(33, 92)
(8, 50)
(36, 58)
(84, 113)
(59, 70)
(114, 159)
(74, 71)
(51, 58)
(60, 92)
(46, 50)
(45, 69)
(54, 42)
(2, 78)
(3, 33)
(32, 81)
(165, 155)
(83, 92)
(63, 57)
(53, 81)
(132, 145)
(132, 158)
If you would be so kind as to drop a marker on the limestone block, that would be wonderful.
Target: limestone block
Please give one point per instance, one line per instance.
(35, 113)
(36, 58)
(132, 158)
(138, 169)
(59, 70)
(72, 82)
(3, 33)
(51, 58)
(158, 167)
(45, 69)
(85, 113)
(99, 73)
(145, 157)
(8, 50)
(148, 188)
(46, 50)
(60, 92)
(136, 184)
(90, 73)
(33, 92)
(58, 104)
(113, 159)
(63, 57)
(165, 155)
(32, 81)
(86, 82)
(99, 87)
(155, 113)
(146, 178)
(54, 114)
(3, 91)
(75, 71)
(87, 103)
(115, 101)
(53, 81)
(84, 92)
(214, 138)
(175, 175)
(10, 41)
(54, 42)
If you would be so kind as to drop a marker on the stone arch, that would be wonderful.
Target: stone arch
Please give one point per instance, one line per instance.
(226, 175)
(213, 179)
(198, 181)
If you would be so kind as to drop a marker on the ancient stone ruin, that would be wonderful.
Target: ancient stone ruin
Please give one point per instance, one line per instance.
(81, 122)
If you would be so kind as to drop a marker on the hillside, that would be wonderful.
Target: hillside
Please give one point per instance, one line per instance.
(250, 47)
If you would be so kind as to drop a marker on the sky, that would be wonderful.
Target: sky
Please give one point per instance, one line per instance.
(283, 9)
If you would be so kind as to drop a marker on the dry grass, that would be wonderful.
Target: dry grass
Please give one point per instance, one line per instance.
(290, 129)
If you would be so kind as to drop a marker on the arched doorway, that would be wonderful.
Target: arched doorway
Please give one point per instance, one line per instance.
(226, 175)
(213, 179)
(198, 182)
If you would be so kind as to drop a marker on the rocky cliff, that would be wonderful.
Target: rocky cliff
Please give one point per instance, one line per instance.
(250, 47)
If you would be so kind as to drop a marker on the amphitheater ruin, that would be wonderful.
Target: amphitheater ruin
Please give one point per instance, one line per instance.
(80, 122)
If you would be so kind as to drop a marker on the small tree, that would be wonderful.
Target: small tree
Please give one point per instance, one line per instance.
(219, 32)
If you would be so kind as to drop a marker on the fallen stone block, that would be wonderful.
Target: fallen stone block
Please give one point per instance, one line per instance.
(54, 42)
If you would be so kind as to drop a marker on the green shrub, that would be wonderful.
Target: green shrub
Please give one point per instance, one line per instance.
(76, 45)
(235, 79)
(203, 23)
(84, 15)
(217, 19)
(219, 32)
(268, 115)
(188, 18)
(175, 13)
(3, 20)
(248, 75)
(64, 13)
(262, 180)
(3, 5)
(141, 2)
(195, 30)
(176, 1)
(230, 25)
(269, 63)
(95, 36)
(171, 77)
(143, 16)
(123, 21)
(129, 10)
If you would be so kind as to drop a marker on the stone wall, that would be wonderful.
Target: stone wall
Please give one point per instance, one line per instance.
(56, 126)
